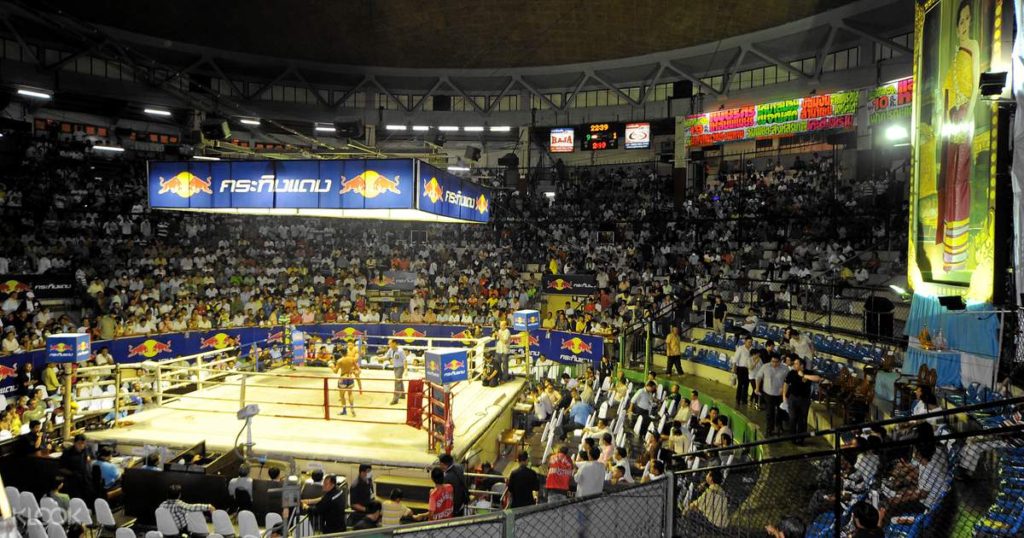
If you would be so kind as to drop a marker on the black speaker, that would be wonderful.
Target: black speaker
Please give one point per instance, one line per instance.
(216, 129)
(848, 139)
(442, 102)
(952, 302)
(349, 129)
(682, 89)
(509, 160)
(472, 154)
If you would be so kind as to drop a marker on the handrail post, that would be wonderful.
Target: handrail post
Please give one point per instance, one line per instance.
(241, 393)
(327, 400)
(648, 358)
(199, 372)
(117, 399)
(837, 484)
(159, 385)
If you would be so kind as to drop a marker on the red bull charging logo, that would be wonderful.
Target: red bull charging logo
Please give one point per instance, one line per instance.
(60, 347)
(432, 190)
(481, 204)
(409, 334)
(453, 365)
(347, 334)
(576, 345)
(560, 284)
(464, 335)
(369, 184)
(7, 371)
(149, 349)
(186, 185)
(217, 341)
(12, 286)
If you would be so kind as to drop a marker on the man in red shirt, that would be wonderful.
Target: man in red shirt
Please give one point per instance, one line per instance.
(441, 502)
(560, 471)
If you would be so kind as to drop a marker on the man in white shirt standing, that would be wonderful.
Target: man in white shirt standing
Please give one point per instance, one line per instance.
(741, 362)
(768, 382)
(396, 355)
(641, 404)
(501, 348)
(590, 475)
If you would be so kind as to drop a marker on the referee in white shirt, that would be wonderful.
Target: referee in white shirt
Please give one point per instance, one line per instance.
(741, 363)
(397, 358)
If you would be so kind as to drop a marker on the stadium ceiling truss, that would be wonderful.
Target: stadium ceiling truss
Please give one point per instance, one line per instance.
(874, 21)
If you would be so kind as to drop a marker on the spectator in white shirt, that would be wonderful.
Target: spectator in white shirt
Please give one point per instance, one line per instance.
(590, 474)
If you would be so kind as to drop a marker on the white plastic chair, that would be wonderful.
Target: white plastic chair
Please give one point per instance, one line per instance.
(154, 534)
(55, 514)
(196, 523)
(165, 523)
(607, 385)
(124, 532)
(104, 517)
(30, 507)
(247, 525)
(704, 412)
(711, 436)
(14, 498)
(603, 411)
(78, 512)
(222, 523)
(54, 530)
(661, 391)
(725, 472)
(637, 427)
(36, 529)
(272, 518)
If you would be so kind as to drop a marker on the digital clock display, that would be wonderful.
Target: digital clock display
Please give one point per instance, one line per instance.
(600, 136)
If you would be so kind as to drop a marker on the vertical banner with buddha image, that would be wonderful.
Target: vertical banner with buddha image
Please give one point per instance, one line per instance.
(952, 200)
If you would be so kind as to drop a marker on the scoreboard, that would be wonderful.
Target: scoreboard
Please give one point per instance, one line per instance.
(600, 136)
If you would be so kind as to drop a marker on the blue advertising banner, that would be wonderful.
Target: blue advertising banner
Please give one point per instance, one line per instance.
(298, 348)
(560, 346)
(348, 184)
(525, 320)
(71, 347)
(442, 193)
(444, 366)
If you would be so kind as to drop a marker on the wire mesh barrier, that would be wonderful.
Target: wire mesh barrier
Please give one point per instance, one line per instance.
(950, 473)
(637, 511)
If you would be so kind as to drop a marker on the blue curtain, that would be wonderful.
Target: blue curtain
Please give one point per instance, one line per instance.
(972, 333)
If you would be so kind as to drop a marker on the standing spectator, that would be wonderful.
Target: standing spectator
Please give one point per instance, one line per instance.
(75, 462)
(718, 314)
(456, 476)
(865, 521)
(440, 504)
(179, 508)
(362, 493)
(797, 394)
(741, 363)
(673, 350)
(590, 474)
(501, 346)
(768, 384)
(560, 468)
(523, 483)
(642, 404)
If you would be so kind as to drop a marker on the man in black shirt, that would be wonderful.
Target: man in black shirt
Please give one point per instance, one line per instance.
(456, 476)
(522, 483)
(362, 492)
(797, 393)
(329, 509)
(76, 461)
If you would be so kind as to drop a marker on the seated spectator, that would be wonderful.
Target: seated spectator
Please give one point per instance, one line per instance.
(711, 508)
(109, 473)
(371, 518)
(328, 512)
(56, 493)
(241, 482)
(657, 472)
(865, 521)
(560, 472)
(919, 485)
(590, 474)
(393, 512)
(789, 527)
(440, 504)
(152, 462)
(490, 376)
(179, 508)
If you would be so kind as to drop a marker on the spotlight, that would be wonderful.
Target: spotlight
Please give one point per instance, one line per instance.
(896, 132)
(473, 129)
(114, 149)
(157, 112)
(447, 128)
(248, 121)
(394, 127)
(38, 94)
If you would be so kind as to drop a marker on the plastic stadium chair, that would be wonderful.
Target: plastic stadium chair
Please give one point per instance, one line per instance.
(104, 517)
(36, 529)
(55, 513)
(165, 522)
(124, 533)
(196, 524)
(14, 498)
(272, 518)
(54, 530)
(247, 525)
(30, 507)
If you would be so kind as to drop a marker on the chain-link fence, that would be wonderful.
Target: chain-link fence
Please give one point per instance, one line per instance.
(955, 473)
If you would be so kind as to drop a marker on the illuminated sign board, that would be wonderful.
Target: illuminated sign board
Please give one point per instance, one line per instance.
(562, 140)
(638, 135)
(891, 101)
(600, 136)
(781, 118)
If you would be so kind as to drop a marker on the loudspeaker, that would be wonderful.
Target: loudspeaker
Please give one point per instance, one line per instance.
(509, 160)
(349, 129)
(682, 89)
(442, 103)
(472, 154)
(216, 129)
(848, 139)
(952, 302)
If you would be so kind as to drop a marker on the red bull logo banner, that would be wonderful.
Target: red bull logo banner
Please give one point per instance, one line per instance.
(569, 284)
(445, 366)
(48, 286)
(396, 189)
(445, 194)
(565, 347)
(68, 347)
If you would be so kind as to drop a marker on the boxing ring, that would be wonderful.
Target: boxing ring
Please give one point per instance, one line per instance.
(195, 400)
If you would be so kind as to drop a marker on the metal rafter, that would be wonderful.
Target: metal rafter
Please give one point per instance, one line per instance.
(730, 70)
(375, 82)
(263, 89)
(769, 57)
(819, 62)
(575, 92)
(529, 87)
(461, 93)
(853, 27)
(492, 104)
(316, 93)
(237, 90)
(614, 88)
(348, 93)
(24, 46)
(430, 93)
(648, 88)
(693, 79)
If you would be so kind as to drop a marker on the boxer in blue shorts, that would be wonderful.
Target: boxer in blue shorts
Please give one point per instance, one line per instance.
(347, 369)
